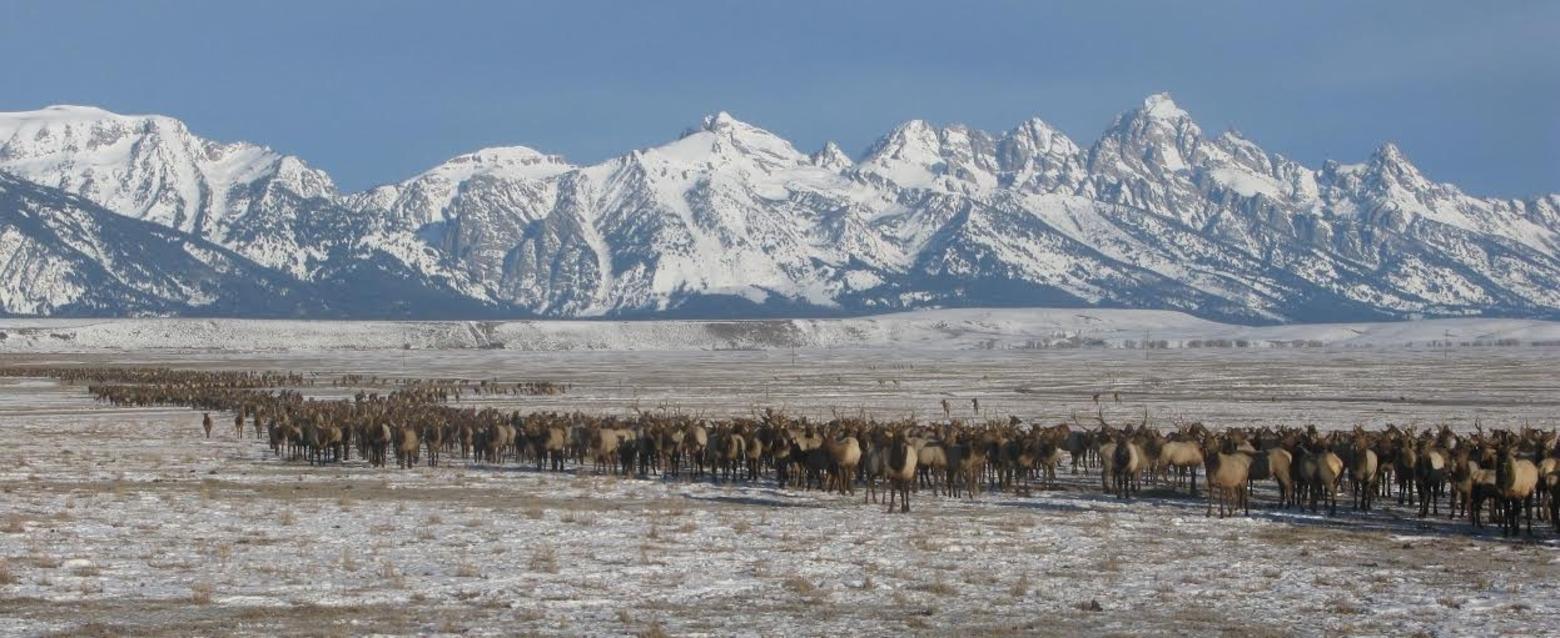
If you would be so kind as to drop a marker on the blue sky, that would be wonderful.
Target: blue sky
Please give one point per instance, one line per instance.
(374, 92)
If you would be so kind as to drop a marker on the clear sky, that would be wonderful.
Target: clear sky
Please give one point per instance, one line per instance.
(374, 92)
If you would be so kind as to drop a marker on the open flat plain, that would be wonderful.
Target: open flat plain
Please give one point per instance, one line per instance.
(124, 521)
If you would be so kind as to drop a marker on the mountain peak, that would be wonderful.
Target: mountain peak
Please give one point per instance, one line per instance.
(724, 122)
(1389, 152)
(719, 120)
(1161, 106)
(1390, 159)
(832, 157)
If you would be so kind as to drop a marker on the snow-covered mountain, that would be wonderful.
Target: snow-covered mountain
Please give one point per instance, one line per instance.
(65, 255)
(732, 220)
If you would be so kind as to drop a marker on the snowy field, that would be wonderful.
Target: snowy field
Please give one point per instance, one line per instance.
(964, 329)
(126, 521)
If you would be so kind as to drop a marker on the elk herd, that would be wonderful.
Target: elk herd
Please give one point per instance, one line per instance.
(1506, 477)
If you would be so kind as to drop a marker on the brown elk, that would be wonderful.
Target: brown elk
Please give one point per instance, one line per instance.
(1363, 472)
(1228, 471)
(1430, 477)
(1182, 456)
(406, 447)
(1127, 466)
(844, 456)
(1515, 482)
(900, 465)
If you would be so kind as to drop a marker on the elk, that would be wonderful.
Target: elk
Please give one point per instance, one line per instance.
(1329, 471)
(1305, 473)
(1126, 466)
(1554, 500)
(1515, 482)
(1182, 456)
(755, 453)
(1430, 477)
(1403, 466)
(1079, 445)
(433, 435)
(377, 440)
(844, 456)
(1363, 473)
(406, 447)
(874, 465)
(900, 465)
(1274, 463)
(964, 468)
(1228, 473)
(931, 461)
(730, 453)
(1465, 476)
(694, 442)
(205, 423)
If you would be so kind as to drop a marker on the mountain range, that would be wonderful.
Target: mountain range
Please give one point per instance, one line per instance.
(104, 214)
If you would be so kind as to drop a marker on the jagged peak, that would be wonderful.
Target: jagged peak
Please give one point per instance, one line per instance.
(1389, 152)
(1388, 158)
(1162, 106)
(1157, 113)
(832, 156)
(720, 120)
(1042, 135)
(724, 123)
(911, 133)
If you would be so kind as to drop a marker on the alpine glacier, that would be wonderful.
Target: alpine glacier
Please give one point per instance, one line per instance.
(731, 220)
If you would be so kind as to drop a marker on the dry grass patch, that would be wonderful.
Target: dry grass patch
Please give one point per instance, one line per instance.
(655, 630)
(1020, 587)
(799, 585)
(200, 593)
(1344, 607)
(391, 576)
(7, 577)
(545, 560)
(938, 587)
(14, 524)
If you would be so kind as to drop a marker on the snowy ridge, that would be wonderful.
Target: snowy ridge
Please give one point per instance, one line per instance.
(731, 220)
(963, 329)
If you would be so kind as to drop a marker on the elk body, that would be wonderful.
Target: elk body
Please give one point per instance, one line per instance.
(1228, 474)
(1126, 467)
(1430, 478)
(900, 464)
(1363, 471)
(1515, 482)
(1184, 457)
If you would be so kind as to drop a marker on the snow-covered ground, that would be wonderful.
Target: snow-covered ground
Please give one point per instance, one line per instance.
(128, 521)
(928, 329)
